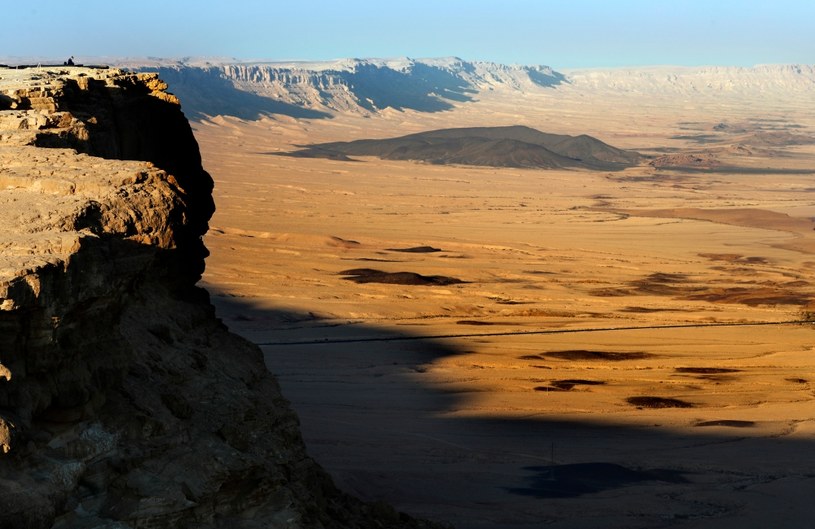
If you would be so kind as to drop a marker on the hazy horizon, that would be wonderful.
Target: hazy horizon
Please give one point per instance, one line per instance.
(573, 35)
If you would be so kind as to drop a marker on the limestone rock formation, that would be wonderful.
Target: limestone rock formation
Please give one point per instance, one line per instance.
(124, 402)
(364, 86)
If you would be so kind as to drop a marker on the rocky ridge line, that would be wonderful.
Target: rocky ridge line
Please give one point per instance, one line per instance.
(303, 89)
(361, 86)
(124, 402)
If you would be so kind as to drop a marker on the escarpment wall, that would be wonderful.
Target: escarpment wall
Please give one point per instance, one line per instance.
(123, 401)
(362, 86)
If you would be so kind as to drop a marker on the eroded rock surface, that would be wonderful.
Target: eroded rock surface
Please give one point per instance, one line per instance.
(124, 402)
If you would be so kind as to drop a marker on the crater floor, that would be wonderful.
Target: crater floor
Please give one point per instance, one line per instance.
(594, 367)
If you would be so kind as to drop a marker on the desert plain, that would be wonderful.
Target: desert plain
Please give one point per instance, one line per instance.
(622, 348)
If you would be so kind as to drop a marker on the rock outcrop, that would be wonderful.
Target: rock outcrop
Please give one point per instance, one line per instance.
(124, 402)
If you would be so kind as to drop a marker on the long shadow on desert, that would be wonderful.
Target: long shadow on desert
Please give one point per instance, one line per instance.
(375, 417)
(440, 304)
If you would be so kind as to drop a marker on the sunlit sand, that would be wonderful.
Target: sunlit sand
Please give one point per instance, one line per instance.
(601, 318)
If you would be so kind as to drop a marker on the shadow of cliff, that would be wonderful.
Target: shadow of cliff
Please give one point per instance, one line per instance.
(205, 92)
(306, 345)
(424, 88)
(547, 79)
(374, 416)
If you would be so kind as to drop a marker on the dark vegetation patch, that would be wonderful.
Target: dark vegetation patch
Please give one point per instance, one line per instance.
(611, 292)
(569, 481)
(657, 402)
(679, 286)
(369, 275)
(582, 354)
(661, 284)
(416, 249)
(475, 322)
(797, 380)
(752, 296)
(734, 258)
(569, 383)
(728, 423)
(530, 357)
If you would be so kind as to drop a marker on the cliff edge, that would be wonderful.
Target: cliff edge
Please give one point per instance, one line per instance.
(124, 402)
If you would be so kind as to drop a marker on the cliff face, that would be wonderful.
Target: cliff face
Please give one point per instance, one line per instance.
(123, 401)
(365, 86)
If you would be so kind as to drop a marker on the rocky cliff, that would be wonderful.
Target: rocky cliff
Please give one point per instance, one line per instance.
(317, 89)
(367, 86)
(124, 402)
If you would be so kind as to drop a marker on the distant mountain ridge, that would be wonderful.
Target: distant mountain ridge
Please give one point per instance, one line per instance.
(302, 89)
(773, 80)
(317, 89)
(513, 146)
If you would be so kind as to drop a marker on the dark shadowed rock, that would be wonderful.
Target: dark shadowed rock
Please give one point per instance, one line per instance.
(124, 402)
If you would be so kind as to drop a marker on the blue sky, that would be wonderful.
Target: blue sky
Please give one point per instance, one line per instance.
(562, 34)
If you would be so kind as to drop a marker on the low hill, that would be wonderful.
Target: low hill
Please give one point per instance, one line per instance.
(513, 146)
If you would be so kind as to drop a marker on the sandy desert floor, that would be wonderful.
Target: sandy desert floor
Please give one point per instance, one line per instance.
(597, 364)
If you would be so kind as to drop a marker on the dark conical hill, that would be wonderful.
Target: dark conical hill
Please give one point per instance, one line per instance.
(513, 146)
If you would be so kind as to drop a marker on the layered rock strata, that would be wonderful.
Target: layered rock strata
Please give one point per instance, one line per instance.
(314, 90)
(124, 402)
(361, 86)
